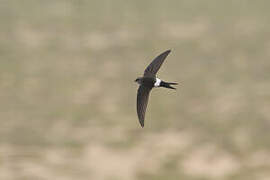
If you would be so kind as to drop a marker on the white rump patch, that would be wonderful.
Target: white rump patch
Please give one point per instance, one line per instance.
(157, 83)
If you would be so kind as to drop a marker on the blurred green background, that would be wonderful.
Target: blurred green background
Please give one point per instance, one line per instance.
(68, 97)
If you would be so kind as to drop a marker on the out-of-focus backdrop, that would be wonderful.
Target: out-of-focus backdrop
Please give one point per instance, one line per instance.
(68, 97)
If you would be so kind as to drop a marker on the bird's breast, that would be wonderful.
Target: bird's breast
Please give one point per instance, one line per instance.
(148, 81)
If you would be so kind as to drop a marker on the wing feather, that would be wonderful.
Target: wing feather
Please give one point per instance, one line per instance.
(153, 68)
(142, 100)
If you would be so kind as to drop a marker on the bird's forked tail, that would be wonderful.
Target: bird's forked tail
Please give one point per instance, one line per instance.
(168, 84)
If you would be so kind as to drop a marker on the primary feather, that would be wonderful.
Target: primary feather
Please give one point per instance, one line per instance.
(142, 100)
(155, 65)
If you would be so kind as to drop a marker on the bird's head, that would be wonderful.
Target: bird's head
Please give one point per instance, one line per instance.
(138, 80)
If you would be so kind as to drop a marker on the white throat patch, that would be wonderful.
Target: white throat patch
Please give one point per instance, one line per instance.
(157, 83)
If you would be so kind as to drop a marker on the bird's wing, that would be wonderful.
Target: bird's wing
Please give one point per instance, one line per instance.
(153, 68)
(142, 100)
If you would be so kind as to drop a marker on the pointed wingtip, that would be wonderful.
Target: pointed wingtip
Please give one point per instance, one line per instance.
(168, 51)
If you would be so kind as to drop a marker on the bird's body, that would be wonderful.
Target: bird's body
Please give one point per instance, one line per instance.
(147, 82)
(152, 82)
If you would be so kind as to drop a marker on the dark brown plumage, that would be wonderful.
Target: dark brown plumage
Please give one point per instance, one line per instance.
(142, 100)
(147, 82)
(153, 68)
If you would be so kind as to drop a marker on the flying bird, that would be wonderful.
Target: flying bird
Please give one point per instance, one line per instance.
(149, 81)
